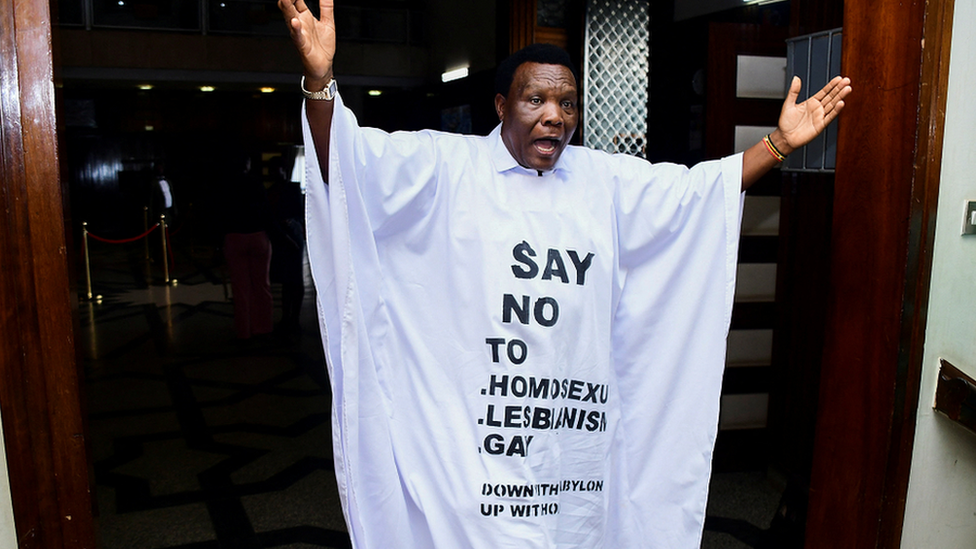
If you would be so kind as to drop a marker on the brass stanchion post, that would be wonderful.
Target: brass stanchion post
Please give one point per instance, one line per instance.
(145, 228)
(84, 245)
(162, 226)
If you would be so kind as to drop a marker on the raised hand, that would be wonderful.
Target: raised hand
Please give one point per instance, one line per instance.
(800, 123)
(314, 38)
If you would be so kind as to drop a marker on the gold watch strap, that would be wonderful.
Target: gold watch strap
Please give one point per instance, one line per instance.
(328, 94)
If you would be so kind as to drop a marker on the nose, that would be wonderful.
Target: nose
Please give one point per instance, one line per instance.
(552, 115)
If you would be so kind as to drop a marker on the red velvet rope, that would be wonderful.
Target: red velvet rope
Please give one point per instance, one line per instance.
(178, 229)
(124, 240)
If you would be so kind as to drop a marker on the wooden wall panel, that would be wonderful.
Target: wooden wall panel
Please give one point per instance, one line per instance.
(885, 198)
(801, 294)
(39, 393)
(810, 16)
(524, 30)
(522, 15)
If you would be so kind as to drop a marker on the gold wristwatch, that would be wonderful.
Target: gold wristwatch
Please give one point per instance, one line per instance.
(328, 94)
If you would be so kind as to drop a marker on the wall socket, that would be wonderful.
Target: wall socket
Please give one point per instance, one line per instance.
(969, 222)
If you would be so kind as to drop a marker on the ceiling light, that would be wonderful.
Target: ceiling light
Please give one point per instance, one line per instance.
(267, 89)
(145, 86)
(375, 93)
(455, 74)
(206, 88)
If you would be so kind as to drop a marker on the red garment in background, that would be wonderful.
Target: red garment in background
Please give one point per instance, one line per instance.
(249, 259)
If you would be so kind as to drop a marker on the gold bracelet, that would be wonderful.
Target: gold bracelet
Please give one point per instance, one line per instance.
(772, 149)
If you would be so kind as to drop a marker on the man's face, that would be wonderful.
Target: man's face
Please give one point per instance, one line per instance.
(540, 114)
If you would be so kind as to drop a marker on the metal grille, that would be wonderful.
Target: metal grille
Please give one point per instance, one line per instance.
(615, 87)
(815, 58)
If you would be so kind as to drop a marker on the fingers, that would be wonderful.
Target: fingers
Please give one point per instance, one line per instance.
(326, 11)
(835, 92)
(794, 92)
(287, 8)
(834, 89)
(314, 37)
(830, 116)
(294, 11)
(831, 98)
(291, 9)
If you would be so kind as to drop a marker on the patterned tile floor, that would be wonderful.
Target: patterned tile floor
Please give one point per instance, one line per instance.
(200, 441)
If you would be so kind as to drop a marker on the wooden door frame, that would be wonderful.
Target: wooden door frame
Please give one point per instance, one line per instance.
(886, 193)
(888, 159)
(39, 391)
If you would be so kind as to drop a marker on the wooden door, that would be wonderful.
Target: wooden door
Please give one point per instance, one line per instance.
(39, 392)
(744, 437)
(882, 234)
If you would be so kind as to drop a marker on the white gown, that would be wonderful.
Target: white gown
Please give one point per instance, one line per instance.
(519, 360)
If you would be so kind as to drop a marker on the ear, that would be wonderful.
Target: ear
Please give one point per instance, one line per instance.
(500, 106)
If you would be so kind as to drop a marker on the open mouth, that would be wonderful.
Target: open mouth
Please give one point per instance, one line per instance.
(546, 146)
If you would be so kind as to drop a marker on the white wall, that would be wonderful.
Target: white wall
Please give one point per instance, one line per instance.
(941, 506)
(8, 534)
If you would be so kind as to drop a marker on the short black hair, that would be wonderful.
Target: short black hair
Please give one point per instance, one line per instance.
(546, 54)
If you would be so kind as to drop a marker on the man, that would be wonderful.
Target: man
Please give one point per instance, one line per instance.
(525, 339)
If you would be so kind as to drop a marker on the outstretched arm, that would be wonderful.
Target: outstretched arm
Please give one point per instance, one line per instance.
(315, 40)
(798, 125)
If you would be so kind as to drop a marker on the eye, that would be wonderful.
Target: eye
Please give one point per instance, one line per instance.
(535, 100)
(568, 104)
